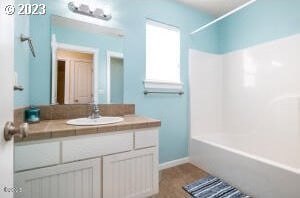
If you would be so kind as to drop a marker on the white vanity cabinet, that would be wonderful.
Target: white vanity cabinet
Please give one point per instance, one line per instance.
(105, 165)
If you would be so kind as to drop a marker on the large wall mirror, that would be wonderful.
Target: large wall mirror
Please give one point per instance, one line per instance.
(75, 62)
(87, 63)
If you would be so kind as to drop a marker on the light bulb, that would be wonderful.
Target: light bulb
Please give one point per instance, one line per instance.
(106, 9)
(93, 5)
(98, 12)
(76, 3)
(84, 8)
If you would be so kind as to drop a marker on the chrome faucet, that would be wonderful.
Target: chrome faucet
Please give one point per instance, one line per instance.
(95, 113)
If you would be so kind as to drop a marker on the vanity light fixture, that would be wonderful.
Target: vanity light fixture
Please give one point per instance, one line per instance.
(85, 10)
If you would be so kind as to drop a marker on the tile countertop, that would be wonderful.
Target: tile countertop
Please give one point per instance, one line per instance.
(58, 128)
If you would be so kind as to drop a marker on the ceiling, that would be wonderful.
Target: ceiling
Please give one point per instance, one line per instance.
(215, 7)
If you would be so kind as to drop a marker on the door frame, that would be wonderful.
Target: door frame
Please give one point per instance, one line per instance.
(109, 55)
(55, 46)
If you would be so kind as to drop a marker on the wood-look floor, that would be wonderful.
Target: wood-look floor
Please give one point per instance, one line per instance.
(172, 180)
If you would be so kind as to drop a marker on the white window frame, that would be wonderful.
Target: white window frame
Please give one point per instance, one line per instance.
(159, 84)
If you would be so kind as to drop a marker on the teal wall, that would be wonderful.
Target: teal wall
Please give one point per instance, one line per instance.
(40, 66)
(22, 53)
(101, 42)
(117, 81)
(130, 16)
(262, 21)
(207, 37)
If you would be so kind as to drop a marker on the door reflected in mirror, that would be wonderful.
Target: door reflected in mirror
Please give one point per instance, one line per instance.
(75, 79)
(87, 63)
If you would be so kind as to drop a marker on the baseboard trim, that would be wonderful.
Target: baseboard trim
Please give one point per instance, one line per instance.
(173, 163)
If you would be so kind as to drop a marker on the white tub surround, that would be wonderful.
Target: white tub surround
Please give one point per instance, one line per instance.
(205, 92)
(245, 117)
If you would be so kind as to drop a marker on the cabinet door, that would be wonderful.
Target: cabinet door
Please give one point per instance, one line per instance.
(74, 180)
(131, 174)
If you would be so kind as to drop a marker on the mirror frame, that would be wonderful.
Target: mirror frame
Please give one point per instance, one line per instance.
(55, 46)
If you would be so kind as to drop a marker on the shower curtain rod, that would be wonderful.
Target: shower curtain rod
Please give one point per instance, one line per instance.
(222, 17)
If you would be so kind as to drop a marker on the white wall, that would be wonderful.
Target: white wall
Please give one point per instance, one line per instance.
(257, 91)
(205, 75)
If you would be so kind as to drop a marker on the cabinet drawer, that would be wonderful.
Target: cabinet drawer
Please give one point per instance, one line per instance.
(94, 146)
(36, 155)
(146, 138)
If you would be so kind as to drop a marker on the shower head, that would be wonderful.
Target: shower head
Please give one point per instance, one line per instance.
(24, 38)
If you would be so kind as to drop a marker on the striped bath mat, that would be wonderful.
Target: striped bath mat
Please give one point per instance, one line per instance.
(213, 187)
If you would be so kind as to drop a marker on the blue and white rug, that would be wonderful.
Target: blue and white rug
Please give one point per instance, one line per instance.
(213, 187)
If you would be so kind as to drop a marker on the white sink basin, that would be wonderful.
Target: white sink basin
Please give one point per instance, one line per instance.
(92, 122)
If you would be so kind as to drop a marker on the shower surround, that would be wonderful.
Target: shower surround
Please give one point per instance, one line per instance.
(245, 116)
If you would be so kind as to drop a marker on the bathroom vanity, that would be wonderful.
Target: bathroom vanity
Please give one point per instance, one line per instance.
(114, 160)
(58, 160)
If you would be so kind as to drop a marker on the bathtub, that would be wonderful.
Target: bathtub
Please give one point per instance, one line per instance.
(263, 168)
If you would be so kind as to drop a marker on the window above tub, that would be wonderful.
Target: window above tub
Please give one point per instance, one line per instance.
(162, 56)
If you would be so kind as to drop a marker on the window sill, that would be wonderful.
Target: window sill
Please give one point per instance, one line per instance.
(148, 84)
